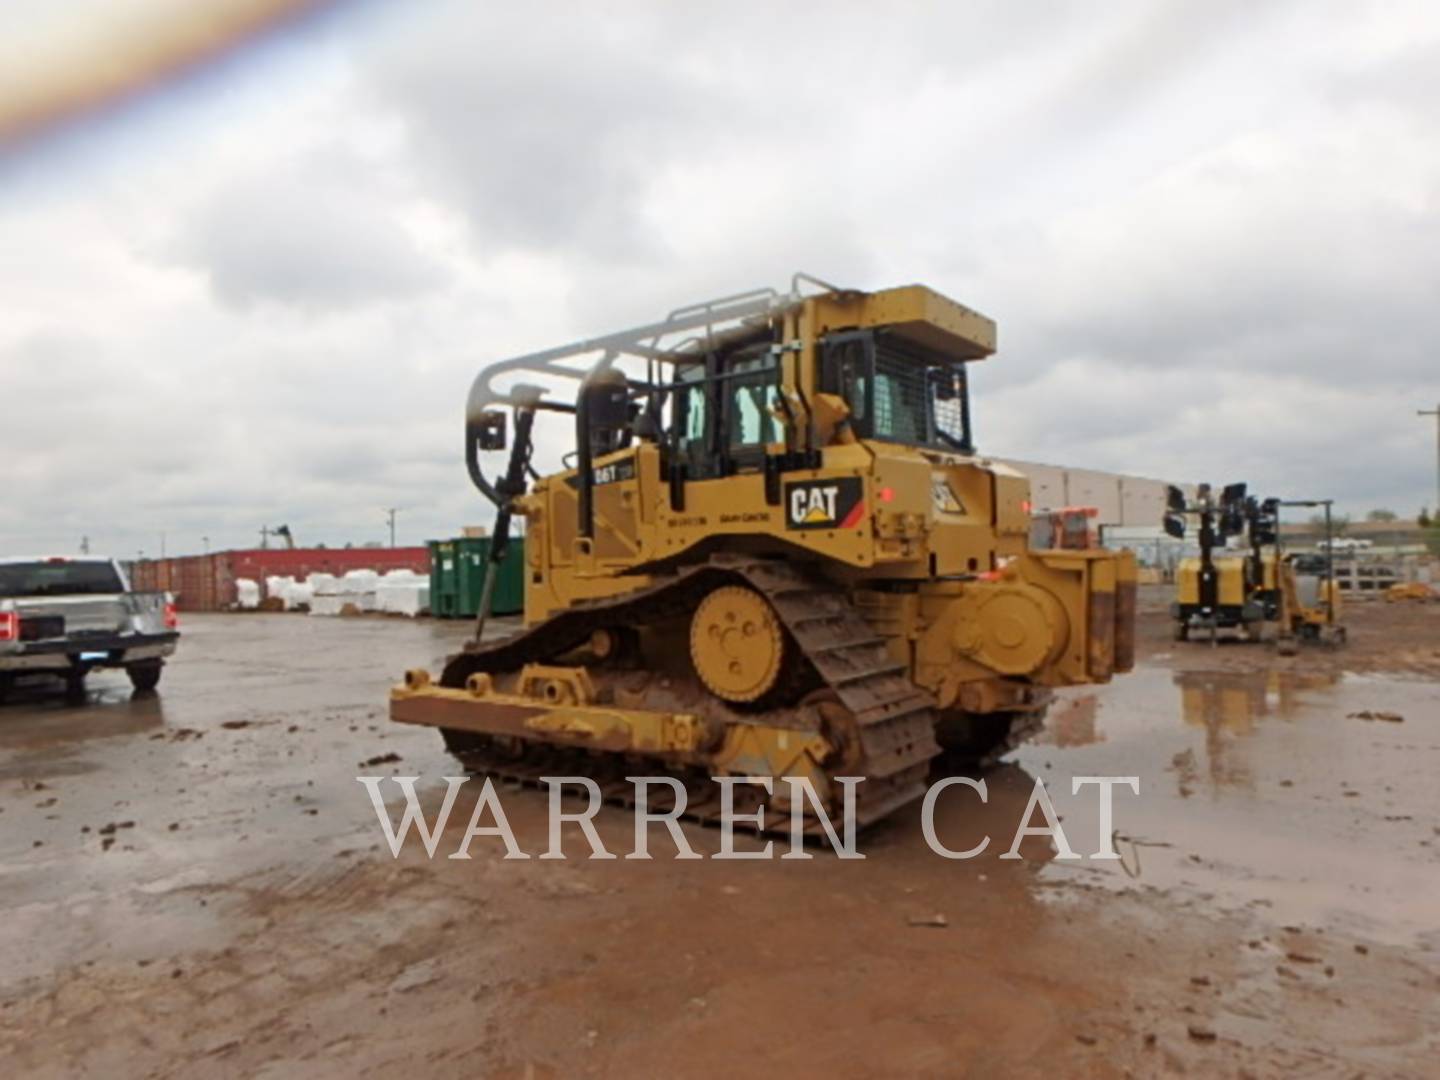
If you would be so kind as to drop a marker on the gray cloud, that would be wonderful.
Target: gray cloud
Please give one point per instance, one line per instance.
(1211, 239)
(549, 131)
(315, 234)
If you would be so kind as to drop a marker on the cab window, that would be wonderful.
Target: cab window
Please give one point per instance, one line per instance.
(898, 391)
(900, 404)
(694, 406)
(751, 390)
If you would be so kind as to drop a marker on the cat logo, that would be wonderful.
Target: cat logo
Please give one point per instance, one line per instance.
(814, 506)
(825, 504)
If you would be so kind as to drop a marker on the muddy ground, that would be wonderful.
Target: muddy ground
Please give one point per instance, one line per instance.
(195, 882)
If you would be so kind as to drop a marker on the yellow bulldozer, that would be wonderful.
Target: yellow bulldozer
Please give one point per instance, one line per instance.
(773, 552)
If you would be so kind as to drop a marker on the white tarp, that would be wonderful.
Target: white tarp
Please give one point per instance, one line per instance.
(324, 584)
(403, 592)
(247, 593)
(400, 592)
(292, 594)
(298, 594)
(358, 588)
(327, 604)
(359, 581)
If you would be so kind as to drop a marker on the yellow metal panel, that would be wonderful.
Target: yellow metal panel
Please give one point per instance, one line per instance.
(1230, 591)
(1012, 493)
(1187, 581)
(919, 314)
(1230, 581)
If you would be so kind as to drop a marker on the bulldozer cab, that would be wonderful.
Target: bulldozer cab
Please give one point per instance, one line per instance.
(730, 409)
(758, 382)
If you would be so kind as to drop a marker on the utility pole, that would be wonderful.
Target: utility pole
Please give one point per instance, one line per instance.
(205, 543)
(264, 537)
(1435, 412)
(84, 545)
(390, 513)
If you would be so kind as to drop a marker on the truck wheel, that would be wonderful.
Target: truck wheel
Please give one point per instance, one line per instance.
(144, 676)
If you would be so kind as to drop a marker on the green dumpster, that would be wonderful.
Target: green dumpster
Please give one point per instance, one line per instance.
(457, 577)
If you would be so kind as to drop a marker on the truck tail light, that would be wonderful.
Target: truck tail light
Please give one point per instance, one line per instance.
(172, 619)
(9, 626)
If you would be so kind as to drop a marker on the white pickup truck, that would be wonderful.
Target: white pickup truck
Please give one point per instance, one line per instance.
(62, 617)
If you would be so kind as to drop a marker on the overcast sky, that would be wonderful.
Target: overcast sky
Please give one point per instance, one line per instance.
(257, 291)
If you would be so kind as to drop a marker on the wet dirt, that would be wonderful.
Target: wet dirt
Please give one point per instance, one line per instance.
(1276, 908)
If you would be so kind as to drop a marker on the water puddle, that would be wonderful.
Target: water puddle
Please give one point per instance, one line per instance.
(1310, 796)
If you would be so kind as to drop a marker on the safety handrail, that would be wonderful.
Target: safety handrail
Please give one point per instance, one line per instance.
(547, 363)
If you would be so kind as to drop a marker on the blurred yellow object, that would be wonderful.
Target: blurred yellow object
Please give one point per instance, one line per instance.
(1409, 590)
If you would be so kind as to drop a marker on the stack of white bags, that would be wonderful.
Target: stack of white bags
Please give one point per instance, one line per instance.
(291, 593)
(330, 594)
(399, 592)
(403, 592)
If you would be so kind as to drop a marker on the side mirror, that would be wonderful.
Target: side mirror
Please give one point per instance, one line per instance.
(1174, 525)
(1174, 499)
(492, 430)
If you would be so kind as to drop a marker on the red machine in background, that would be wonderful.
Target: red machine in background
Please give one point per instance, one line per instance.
(1071, 528)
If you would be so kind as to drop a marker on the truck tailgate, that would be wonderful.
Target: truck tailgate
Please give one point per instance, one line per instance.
(78, 617)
